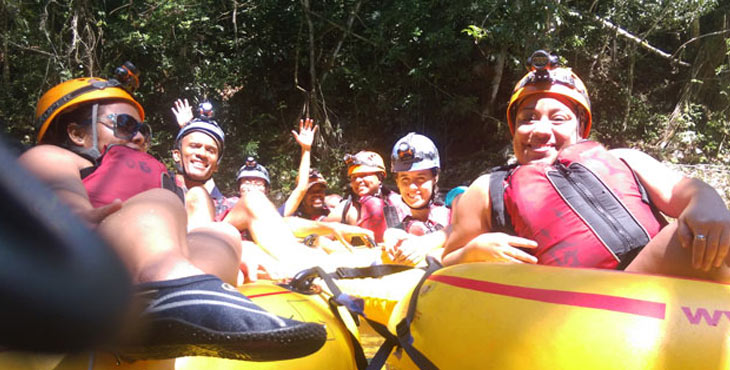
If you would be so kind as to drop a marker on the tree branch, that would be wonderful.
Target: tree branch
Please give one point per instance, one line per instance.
(631, 37)
(343, 28)
(21, 47)
(681, 47)
(347, 31)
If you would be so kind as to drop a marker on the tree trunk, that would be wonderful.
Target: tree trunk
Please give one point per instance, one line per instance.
(5, 57)
(496, 81)
(710, 54)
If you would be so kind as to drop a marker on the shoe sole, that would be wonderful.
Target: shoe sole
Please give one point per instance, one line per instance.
(173, 338)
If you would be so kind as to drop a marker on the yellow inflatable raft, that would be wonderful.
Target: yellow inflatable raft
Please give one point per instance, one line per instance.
(487, 316)
(337, 353)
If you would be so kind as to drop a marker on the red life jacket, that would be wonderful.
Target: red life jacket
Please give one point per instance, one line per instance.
(376, 212)
(123, 172)
(587, 209)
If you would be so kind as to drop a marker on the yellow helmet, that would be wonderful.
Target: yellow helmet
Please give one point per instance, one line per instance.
(547, 78)
(71, 93)
(364, 162)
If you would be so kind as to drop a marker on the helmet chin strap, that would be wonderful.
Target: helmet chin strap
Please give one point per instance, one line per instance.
(92, 153)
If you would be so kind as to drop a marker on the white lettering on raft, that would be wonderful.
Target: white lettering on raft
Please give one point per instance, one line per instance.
(702, 313)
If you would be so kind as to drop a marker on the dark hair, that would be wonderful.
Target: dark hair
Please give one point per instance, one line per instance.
(57, 134)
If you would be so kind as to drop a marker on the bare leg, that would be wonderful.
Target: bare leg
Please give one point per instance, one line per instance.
(665, 256)
(183, 306)
(216, 249)
(149, 233)
(199, 207)
(255, 213)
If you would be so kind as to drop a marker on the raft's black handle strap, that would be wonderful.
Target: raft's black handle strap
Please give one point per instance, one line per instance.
(302, 283)
(303, 280)
(374, 271)
(404, 327)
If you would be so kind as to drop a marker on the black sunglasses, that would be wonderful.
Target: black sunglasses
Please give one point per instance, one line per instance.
(126, 126)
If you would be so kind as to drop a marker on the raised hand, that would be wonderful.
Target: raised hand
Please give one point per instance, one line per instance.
(183, 112)
(305, 136)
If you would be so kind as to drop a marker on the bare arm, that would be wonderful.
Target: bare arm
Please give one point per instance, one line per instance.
(305, 138)
(471, 215)
(59, 169)
(471, 239)
(698, 207)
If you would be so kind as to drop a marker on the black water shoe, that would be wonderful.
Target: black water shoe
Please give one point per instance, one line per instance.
(203, 316)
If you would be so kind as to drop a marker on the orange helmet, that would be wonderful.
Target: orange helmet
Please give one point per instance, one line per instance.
(364, 162)
(546, 77)
(71, 93)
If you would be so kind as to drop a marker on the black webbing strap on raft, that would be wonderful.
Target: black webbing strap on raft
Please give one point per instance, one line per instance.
(303, 281)
(404, 338)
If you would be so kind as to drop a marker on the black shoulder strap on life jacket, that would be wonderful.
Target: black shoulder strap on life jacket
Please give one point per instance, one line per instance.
(348, 204)
(501, 220)
(389, 211)
(85, 172)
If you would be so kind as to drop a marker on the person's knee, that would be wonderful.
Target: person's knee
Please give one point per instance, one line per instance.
(160, 197)
(153, 208)
(223, 231)
(198, 197)
(255, 200)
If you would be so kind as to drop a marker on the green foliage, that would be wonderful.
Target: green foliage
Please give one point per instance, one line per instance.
(369, 72)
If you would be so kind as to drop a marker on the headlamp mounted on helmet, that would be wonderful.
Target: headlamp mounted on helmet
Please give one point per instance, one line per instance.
(205, 111)
(405, 152)
(250, 163)
(364, 162)
(544, 69)
(414, 152)
(251, 168)
(546, 76)
(357, 160)
(127, 75)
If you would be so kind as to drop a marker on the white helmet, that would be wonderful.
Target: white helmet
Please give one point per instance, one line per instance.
(253, 169)
(414, 152)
